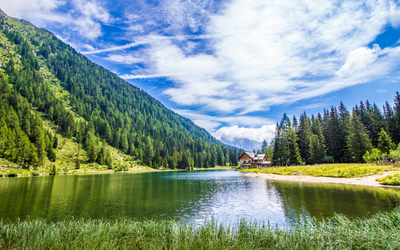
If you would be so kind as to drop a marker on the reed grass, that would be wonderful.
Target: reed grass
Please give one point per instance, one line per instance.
(380, 231)
(340, 170)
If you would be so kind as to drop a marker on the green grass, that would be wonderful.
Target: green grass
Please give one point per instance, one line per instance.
(393, 180)
(341, 170)
(380, 231)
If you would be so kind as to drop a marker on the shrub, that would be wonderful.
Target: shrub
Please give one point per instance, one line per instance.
(374, 156)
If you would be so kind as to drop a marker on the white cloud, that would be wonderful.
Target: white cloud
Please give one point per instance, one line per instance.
(85, 17)
(248, 138)
(123, 59)
(359, 60)
(275, 52)
(130, 76)
(115, 48)
(237, 133)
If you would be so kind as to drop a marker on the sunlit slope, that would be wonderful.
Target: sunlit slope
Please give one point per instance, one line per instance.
(94, 107)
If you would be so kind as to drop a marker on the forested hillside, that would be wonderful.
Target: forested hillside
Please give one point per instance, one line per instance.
(41, 77)
(365, 134)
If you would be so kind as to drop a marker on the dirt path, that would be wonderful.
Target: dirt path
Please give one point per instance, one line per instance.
(366, 180)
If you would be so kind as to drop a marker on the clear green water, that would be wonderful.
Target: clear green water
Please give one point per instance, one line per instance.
(193, 197)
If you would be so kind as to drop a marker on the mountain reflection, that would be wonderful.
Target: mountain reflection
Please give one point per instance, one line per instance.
(190, 197)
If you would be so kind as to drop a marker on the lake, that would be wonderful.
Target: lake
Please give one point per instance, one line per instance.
(191, 197)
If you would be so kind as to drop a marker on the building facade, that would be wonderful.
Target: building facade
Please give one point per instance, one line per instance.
(252, 160)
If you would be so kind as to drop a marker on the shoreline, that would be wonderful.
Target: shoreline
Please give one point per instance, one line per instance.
(100, 172)
(364, 181)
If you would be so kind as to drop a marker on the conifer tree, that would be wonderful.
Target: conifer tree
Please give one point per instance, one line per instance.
(396, 118)
(55, 141)
(148, 152)
(317, 149)
(304, 133)
(77, 160)
(294, 152)
(358, 141)
(385, 143)
(91, 147)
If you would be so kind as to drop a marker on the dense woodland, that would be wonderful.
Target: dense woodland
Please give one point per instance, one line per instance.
(364, 134)
(100, 109)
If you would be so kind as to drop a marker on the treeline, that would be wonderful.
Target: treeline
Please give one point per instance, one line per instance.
(337, 135)
(113, 110)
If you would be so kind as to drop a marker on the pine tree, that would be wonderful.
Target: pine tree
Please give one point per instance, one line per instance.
(148, 152)
(270, 151)
(91, 147)
(396, 118)
(77, 160)
(317, 149)
(344, 126)
(358, 141)
(385, 143)
(55, 141)
(304, 133)
(40, 147)
(108, 159)
(264, 147)
(294, 152)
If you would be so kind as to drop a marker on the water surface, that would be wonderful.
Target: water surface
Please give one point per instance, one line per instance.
(225, 195)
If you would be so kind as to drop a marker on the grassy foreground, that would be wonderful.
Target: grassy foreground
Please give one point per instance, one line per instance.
(342, 170)
(380, 231)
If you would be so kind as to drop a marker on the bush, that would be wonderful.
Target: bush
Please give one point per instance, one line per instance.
(35, 173)
(395, 154)
(375, 156)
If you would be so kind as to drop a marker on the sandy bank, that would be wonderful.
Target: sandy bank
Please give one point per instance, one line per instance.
(366, 180)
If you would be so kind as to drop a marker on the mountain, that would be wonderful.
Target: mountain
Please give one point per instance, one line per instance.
(45, 81)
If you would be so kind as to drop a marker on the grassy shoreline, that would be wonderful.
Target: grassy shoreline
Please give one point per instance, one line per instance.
(379, 231)
(338, 170)
(23, 172)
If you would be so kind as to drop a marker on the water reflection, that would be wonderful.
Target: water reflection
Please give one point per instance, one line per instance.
(225, 195)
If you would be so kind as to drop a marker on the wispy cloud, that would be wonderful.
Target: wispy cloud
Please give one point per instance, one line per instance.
(130, 76)
(216, 121)
(279, 52)
(115, 48)
(84, 17)
(145, 40)
(123, 59)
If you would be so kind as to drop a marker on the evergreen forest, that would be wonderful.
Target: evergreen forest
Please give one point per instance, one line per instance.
(338, 136)
(45, 81)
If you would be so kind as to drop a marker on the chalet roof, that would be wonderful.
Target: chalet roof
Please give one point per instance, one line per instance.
(253, 156)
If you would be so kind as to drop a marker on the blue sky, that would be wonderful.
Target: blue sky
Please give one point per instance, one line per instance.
(234, 67)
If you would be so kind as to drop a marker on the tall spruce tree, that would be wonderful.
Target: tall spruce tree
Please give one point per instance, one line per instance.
(358, 141)
(385, 143)
(304, 133)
